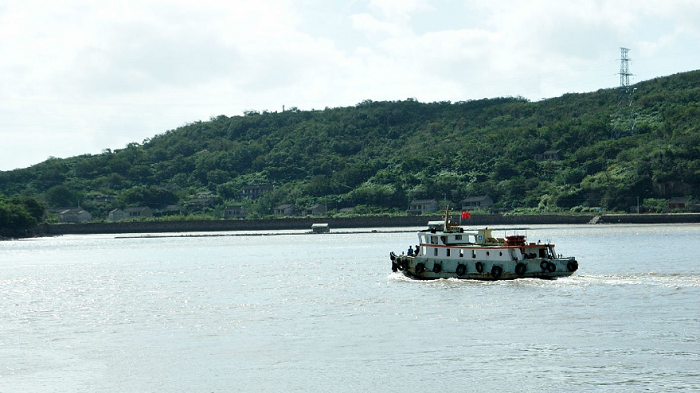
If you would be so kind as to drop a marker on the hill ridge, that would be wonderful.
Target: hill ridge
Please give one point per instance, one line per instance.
(377, 156)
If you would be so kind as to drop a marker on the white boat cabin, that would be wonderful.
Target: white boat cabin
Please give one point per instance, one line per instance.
(456, 243)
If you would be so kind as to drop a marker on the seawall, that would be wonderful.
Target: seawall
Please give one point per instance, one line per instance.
(353, 222)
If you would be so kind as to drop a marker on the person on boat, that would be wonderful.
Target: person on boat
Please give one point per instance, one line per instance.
(410, 250)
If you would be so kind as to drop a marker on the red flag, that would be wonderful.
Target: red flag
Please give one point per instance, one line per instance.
(466, 215)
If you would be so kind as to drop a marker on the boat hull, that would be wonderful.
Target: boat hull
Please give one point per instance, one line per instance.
(422, 268)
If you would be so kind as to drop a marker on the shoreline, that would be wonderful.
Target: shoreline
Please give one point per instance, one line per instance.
(353, 222)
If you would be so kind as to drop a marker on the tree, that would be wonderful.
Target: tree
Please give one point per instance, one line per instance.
(19, 215)
(61, 196)
(150, 196)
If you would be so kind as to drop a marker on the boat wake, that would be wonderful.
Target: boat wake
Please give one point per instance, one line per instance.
(644, 279)
(651, 278)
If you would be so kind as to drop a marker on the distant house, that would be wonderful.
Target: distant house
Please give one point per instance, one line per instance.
(477, 203)
(683, 203)
(418, 206)
(130, 212)
(116, 215)
(347, 210)
(315, 210)
(284, 210)
(75, 215)
(678, 203)
(136, 212)
(234, 211)
(253, 191)
(549, 155)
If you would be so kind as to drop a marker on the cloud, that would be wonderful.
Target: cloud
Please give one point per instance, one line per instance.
(140, 57)
(100, 75)
(373, 27)
(400, 8)
(504, 44)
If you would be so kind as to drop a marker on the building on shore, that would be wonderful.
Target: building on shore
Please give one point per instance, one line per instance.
(75, 215)
(253, 191)
(420, 206)
(284, 210)
(481, 202)
(234, 211)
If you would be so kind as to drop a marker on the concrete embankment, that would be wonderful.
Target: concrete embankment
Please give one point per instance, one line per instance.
(353, 222)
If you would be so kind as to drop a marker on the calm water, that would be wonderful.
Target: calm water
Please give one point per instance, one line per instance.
(324, 313)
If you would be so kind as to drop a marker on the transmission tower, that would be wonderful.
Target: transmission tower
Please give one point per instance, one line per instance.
(625, 118)
(624, 68)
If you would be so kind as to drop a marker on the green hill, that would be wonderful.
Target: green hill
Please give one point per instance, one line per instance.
(378, 156)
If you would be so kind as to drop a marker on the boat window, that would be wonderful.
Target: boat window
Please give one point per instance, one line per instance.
(473, 254)
(435, 251)
(500, 253)
(448, 252)
(461, 253)
(458, 237)
(433, 240)
(488, 253)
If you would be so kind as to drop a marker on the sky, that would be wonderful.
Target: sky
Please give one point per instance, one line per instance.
(81, 76)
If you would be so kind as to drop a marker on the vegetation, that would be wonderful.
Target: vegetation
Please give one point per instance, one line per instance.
(379, 156)
(18, 215)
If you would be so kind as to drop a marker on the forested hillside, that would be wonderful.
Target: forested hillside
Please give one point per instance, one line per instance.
(378, 156)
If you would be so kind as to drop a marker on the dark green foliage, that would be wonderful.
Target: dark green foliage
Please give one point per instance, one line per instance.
(61, 196)
(149, 196)
(18, 215)
(381, 155)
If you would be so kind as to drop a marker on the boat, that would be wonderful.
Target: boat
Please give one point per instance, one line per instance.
(447, 250)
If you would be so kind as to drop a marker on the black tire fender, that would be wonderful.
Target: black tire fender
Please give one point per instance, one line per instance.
(479, 267)
(461, 269)
(520, 269)
(496, 271)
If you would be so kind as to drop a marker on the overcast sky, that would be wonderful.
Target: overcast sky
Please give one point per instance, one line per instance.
(80, 76)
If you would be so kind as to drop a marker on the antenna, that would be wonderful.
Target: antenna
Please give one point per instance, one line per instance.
(625, 112)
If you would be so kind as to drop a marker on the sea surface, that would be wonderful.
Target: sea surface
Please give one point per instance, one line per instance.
(295, 312)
